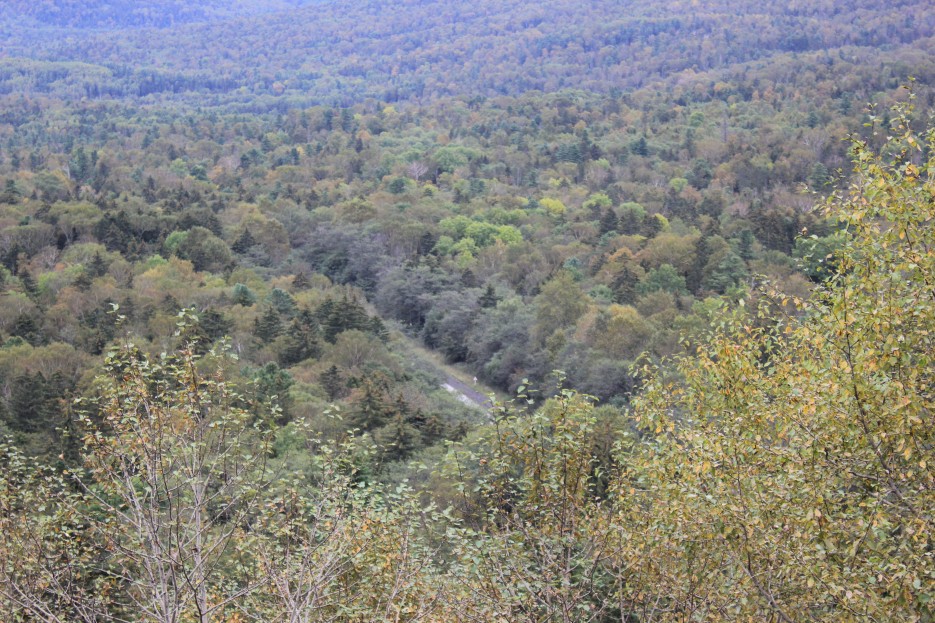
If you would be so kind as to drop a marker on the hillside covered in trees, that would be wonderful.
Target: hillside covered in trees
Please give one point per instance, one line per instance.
(260, 55)
(695, 245)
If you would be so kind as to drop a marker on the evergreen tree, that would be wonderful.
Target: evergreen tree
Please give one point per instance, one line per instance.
(426, 243)
(372, 410)
(378, 329)
(11, 258)
(653, 225)
(342, 315)
(268, 326)
(245, 241)
(28, 282)
(745, 243)
(397, 440)
(489, 298)
(639, 147)
(97, 267)
(32, 403)
(624, 285)
(214, 324)
(83, 281)
(431, 428)
(333, 383)
(631, 219)
(301, 343)
(170, 304)
(271, 384)
(26, 327)
(728, 272)
(11, 193)
(608, 221)
(282, 302)
(243, 295)
(301, 281)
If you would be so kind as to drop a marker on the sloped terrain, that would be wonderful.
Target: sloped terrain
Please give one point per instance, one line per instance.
(340, 53)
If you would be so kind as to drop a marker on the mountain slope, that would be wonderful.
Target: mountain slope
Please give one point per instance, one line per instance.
(335, 52)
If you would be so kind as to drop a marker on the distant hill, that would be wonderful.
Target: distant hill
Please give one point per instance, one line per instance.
(122, 14)
(339, 52)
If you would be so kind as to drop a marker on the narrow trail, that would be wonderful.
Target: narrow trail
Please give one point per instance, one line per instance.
(471, 394)
(467, 394)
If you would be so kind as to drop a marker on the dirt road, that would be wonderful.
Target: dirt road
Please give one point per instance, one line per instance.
(467, 394)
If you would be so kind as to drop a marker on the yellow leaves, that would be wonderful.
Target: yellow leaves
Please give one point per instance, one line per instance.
(903, 402)
(703, 467)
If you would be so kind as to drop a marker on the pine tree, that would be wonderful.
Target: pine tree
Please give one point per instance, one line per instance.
(608, 221)
(26, 327)
(244, 242)
(97, 267)
(243, 295)
(372, 409)
(333, 383)
(282, 301)
(378, 329)
(342, 315)
(11, 193)
(489, 298)
(301, 343)
(31, 405)
(268, 326)
(214, 324)
(83, 281)
(28, 282)
(397, 440)
(272, 385)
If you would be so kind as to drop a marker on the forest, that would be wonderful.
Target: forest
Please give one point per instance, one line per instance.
(247, 248)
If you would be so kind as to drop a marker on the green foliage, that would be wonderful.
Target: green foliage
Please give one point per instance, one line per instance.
(203, 249)
(268, 326)
(302, 340)
(48, 549)
(817, 254)
(242, 295)
(777, 468)
(801, 451)
(198, 464)
(532, 496)
(729, 271)
(664, 278)
(271, 389)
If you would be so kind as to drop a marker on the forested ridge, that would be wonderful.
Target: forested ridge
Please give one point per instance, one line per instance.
(338, 53)
(695, 247)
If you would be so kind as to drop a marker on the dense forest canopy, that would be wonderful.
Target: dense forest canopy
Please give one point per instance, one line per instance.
(261, 261)
(339, 53)
(114, 15)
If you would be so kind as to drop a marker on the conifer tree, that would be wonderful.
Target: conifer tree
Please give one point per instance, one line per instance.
(268, 326)
(489, 298)
(333, 383)
(608, 221)
(301, 343)
(245, 241)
